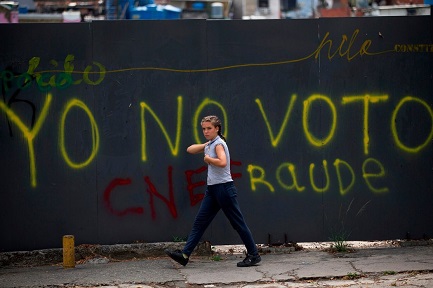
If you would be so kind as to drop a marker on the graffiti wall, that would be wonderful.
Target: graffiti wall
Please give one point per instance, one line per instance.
(329, 124)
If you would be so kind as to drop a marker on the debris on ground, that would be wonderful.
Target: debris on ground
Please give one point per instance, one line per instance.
(85, 253)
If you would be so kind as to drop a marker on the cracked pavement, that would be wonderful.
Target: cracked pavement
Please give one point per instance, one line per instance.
(369, 267)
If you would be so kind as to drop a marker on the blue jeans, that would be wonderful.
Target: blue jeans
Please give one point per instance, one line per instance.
(220, 196)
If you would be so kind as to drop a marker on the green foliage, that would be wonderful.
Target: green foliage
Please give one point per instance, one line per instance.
(216, 257)
(340, 242)
(352, 276)
(340, 234)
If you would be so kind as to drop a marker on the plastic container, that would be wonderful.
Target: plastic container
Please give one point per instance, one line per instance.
(217, 10)
(71, 16)
(172, 12)
(156, 11)
(148, 12)
(198, 6)
(139, 13)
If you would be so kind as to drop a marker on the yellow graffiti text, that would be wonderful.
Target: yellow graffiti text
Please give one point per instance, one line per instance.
(257, 176)
(394, 128)
(413, 47)
(338, 164)
(345, 177)
(276, 140)
(305, 117)
(174, 147)
(292, 170)
(366, 99)
(95, 134)
(345, 47)
(376, 174)
(29, 134)
(313, 185)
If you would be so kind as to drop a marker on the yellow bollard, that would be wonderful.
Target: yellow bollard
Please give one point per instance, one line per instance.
(68, 251)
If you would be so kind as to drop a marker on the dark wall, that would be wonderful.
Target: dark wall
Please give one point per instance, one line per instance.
(329, 124)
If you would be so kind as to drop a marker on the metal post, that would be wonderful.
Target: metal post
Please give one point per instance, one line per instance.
(68, 251)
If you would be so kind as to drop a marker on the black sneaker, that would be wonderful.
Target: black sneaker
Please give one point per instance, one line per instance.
(250, 260)
(177, 256)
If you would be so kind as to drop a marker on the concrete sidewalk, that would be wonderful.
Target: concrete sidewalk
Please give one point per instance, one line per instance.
(366, 267)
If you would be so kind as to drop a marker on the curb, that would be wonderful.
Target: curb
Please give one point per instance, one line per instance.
(89, 252)
(85, 252)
